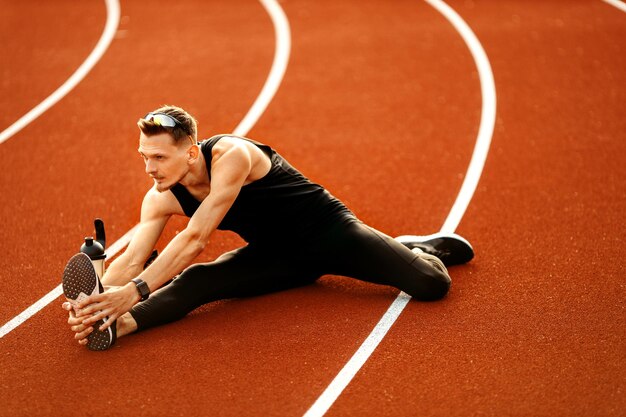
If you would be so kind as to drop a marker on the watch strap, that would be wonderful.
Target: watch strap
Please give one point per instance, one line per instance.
(142, 288)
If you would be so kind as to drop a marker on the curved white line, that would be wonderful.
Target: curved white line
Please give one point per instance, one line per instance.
(487, 122)
(487, 118)
(113, 18)
(279, 66)
(616, 3)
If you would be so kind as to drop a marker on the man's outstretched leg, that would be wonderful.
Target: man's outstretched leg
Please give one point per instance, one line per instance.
(236, 274)
(244, 272)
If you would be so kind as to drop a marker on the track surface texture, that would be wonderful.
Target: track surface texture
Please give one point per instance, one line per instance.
(381, 103)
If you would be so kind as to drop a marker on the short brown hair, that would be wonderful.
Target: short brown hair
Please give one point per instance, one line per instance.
(186, 127)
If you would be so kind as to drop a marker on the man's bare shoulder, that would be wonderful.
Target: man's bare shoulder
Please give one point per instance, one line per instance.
(251, 158)
(227, 143)
(241, 147)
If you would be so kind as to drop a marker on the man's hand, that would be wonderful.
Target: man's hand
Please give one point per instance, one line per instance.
(112, 303)
(76, 325)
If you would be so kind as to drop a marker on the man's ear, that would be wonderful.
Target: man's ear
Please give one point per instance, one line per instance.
(193, 153)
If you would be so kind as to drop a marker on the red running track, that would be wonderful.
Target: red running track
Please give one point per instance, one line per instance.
(381, 104)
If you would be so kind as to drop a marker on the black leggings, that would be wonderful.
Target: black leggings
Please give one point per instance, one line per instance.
(350, 248)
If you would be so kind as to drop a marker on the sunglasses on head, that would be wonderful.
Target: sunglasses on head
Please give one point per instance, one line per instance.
(161, 119)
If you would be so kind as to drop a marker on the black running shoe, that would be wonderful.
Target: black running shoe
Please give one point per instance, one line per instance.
(451, 248)
(80, 281)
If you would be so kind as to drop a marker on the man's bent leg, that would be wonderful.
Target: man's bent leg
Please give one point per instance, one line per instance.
(362, 252)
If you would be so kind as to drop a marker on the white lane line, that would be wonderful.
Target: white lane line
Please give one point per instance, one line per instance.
(113, 18)
(616, 3)
(481, 149)
(279, 66)
(343, 378)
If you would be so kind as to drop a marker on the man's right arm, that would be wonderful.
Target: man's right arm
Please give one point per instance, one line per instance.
(156, 210)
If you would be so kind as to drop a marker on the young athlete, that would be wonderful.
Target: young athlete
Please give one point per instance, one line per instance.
(234, 183)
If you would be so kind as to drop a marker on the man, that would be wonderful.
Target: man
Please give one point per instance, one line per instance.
(234, 183)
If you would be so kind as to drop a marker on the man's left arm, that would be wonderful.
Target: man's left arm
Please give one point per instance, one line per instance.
(229, 173)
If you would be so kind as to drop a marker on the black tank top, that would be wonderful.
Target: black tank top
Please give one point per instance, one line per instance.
(282, 203)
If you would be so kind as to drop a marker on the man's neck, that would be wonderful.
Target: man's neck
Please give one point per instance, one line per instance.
(198, 175)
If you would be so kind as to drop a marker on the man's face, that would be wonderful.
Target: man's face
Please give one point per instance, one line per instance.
(166, 163)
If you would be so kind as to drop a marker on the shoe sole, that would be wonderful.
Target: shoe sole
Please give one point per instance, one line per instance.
(79, 282)
(460, 250)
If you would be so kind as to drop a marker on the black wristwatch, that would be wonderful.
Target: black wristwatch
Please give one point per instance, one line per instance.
(142, 288)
